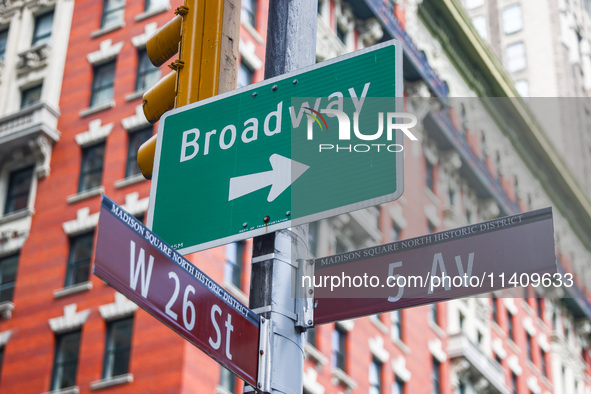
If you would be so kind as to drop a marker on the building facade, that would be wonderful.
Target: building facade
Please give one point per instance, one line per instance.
(64, 330)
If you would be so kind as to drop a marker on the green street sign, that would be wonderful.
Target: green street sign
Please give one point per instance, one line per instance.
(314, 143)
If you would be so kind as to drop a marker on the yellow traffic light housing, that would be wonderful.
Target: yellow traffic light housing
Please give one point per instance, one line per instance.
(196, 33)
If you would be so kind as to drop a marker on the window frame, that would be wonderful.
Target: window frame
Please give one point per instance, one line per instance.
(145, 71)
(111, 350)
(436, 376)
(510, 60)
(73, 265)
(12, 196)
(29, 92)
(339, 353)
(8, 285)
(86, 172)
(376, 366)
(40, 39)
(245, 70)
(3, 43)
(103, 80)
(58, 366)
(249, 14)
(133, 137)
(234, 263)
(507, 17)
(108, 12)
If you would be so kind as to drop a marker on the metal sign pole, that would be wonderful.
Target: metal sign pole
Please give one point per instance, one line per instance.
(277, 257)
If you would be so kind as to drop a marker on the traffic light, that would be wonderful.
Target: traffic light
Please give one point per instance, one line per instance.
(196, 34)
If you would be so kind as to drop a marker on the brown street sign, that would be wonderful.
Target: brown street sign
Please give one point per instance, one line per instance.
(512, 251)
(162, 282)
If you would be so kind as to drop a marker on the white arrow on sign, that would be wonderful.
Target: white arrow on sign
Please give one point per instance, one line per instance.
(285, 171)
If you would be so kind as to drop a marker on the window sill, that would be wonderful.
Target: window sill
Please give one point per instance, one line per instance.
(148, 13)
(110, 382)
(131, 180)
(340, 377)
(378, 324)
(315, 355)
(86, 194)
(67, 390)
(74, 289)
(6, 309)
(236, 292)
(107, 29)
(435, 327)
(222, 390)
(135, 95)
(22, 213)
(253, 31)
(97, 108)
(401, 345)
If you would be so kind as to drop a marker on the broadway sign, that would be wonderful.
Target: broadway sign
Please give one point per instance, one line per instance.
(153, 275)
(513, 251)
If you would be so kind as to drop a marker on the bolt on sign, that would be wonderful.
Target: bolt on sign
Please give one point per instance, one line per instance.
(513, 251)
(259, 159)
(149, 272)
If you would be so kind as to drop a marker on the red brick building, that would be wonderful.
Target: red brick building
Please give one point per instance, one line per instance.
(67, 331)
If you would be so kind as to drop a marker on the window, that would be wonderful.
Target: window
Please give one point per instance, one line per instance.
(436, 376)
(461, 319)
(30, 96)
(515, 57)
(311, 336)
(147, 74)
(513, 383)
(245, 75)
(233, 267)
(539, 307)
(529, 344)
(65, 362)
(155, 4)
(398, 386)
(394, 233)
(3, 40)
(510, 331)
(479, 23)
(227, 380)
(473, 3)
(433, 313)
(339, 339)
(431, 227)
(498, 165)
(483, 147)
(375, 377)
(117, 347)
(522, 87)
(396, 318)
(19, 188)
(102, 84)
(248, 12)
(8, 268)
(430, 176)
(42, 32)
(78, 269)
(341, 34)
(512, 20)
(91, 171)
(136, 138)
(451, 195)
(495, 308)
(543, 366)
(112, 12)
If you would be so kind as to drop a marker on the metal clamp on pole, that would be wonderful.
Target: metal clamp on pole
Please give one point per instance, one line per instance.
(305, 294)
(264, 372)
